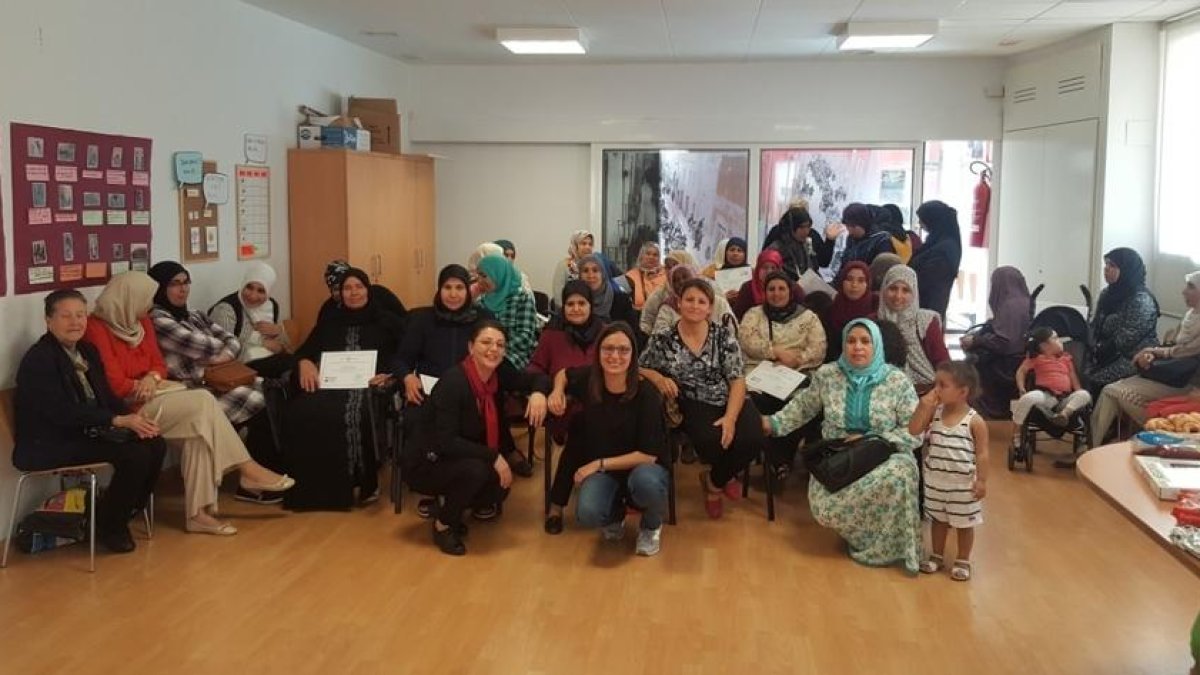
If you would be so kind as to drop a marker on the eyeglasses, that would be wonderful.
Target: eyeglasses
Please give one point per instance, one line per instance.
(616, 350)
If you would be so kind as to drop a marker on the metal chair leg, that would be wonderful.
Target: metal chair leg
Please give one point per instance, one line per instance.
(12, 519)
(148, 516)
(92, 522)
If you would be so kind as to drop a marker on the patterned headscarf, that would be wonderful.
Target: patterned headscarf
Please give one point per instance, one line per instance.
(576, 239)
(912, 321)
(862, 381)
(335, 272)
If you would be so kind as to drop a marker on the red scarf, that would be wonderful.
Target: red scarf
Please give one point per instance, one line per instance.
(485, 398)
(757, 287)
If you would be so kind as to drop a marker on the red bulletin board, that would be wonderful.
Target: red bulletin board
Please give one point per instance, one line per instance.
(81, 207)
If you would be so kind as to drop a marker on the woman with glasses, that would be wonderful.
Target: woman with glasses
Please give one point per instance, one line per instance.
(461, 457)
(617, 451)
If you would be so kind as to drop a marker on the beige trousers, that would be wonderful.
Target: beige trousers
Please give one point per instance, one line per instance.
(193, 421)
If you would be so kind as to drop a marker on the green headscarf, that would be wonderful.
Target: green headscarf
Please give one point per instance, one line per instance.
(505, 279)
(862, 380)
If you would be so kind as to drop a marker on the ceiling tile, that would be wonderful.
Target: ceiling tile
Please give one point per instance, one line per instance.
(1110, 10)
(990, 9)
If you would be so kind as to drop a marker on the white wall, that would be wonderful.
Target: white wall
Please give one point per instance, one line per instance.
(875, 99)
(514, 123)
(532, 194)
(189, 75)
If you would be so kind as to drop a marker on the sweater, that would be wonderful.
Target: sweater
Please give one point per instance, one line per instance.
(125, 364)
(431, 346)
(556, 350)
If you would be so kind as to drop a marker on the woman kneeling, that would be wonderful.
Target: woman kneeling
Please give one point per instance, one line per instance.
(617, 450)
(863, 397)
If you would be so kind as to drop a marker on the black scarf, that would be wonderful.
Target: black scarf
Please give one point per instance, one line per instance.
(583, 335)
(792, 309)
(163, 273)
(467, 314)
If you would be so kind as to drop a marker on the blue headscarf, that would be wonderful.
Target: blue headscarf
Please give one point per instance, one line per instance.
(505, 279)
(862, 380)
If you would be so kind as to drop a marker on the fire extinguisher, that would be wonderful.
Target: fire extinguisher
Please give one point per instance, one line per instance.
(983, 203)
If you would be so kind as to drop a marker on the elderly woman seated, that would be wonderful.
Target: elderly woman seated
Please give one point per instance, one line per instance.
(67, 414)
(863, 397)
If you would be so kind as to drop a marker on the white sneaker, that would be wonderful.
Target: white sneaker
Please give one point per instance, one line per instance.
(649, 541)
(613, 531)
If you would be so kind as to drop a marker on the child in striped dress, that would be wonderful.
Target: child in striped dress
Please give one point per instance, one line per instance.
(956, 463)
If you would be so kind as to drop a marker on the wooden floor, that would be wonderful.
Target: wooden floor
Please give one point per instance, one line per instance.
(1064, 584)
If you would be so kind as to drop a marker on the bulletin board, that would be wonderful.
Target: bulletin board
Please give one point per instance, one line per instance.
(253, 211)
(199, 223)
(81, 207)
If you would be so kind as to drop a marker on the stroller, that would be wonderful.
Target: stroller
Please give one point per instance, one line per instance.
(1075, 331)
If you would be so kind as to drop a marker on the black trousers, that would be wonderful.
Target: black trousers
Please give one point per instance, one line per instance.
(747, 442)
(136, 466)
(461, 483)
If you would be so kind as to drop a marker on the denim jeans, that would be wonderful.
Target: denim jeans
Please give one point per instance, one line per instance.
(601, 502)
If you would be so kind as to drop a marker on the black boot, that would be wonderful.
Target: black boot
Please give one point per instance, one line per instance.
(117, 540)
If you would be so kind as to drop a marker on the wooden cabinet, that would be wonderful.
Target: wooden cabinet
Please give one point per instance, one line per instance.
(375, 210)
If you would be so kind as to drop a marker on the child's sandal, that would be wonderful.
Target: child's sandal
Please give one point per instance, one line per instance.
(931, 565)
(961, 571)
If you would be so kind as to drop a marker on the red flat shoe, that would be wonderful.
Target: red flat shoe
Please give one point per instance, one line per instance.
(733, 489)
(713, 507)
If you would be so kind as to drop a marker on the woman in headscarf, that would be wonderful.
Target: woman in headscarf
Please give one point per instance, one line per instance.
(998, 348)
(435, 338)
(1125, 322)
(880, 266)
(781, 330)
(252, 316)
(461, 455)
(922, 329)
(512, 307)
(609, 302)
(679, 257)
(905, 242)
(855, 300)
(860, 395)
(568, 341)
(489, 248)
(509, 249)
(583, 242)
(648, 276)
(937, 262)
(754, 292)
(801, 247)
(191, 342)
(381, 296)
(190, 420)
(729, 254)
(1133, 395)
(865, 241)
(327, 432)
(654, 303)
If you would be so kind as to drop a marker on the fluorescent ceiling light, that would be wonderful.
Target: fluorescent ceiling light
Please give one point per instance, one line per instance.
(892, 35)
(542, 40)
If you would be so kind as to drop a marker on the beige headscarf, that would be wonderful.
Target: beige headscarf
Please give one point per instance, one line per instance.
(124, 301)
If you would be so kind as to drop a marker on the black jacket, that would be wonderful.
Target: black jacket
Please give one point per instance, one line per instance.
(52, 411)
(431, 345)
(936, 265)
(452, 425)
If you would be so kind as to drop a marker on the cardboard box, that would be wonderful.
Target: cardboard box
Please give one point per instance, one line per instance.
(308, 136)
(380, 117)
(350, 138)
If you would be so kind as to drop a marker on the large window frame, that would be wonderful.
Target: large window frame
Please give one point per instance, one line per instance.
(1175, 231)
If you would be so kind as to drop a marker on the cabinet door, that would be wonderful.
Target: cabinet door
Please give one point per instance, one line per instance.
(1068, 208)
(370, 205)
(425, 226)
(397, 240)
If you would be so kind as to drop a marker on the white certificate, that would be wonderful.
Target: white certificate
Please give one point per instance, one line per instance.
(775, 380)
(347, 370)
(812, 282)
(428, 382)
(732, 279)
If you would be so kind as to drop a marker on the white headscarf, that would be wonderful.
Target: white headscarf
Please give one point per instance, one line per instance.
(485, 249)
(912, 321)
(718, 260)
(262, 273)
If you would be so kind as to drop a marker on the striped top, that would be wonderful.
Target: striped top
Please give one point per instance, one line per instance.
(951, 450)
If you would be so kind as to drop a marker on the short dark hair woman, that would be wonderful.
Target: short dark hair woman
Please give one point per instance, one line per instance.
(699, 363)
(617, 450)
(461, 457)
(63, 400)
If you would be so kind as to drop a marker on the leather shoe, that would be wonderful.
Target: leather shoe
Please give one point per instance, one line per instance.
(117, 541)
(448, 541)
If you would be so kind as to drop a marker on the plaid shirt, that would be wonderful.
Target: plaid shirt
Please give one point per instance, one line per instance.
(188, 345)
(519, 316)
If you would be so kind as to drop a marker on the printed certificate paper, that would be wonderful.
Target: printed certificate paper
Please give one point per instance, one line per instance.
(347, 370)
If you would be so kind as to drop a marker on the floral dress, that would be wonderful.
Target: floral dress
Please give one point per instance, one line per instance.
(878, 514)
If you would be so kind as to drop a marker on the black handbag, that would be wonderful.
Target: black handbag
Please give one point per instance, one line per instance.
(837, 463)
(1173, 372)
(111, 434)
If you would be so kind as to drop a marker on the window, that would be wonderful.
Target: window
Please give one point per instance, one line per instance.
(683, 199)
(1179, 152)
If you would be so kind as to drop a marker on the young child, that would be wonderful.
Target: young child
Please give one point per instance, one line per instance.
(1056, 386)
(956, 463)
